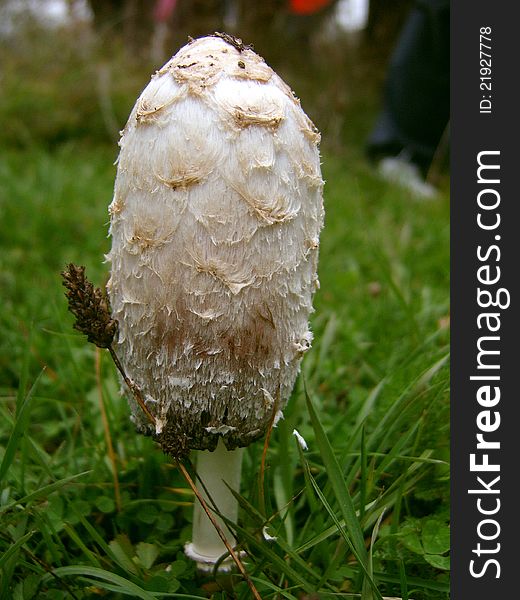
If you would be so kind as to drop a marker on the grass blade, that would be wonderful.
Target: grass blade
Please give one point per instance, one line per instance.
(13, 549)
(44, 491)
(22, 421)
(274, 559)
(375, 531)
(124, 585)
(341, 492)
(281, 592)
(343, 532)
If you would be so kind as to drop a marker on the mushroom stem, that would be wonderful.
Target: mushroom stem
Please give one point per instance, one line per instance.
(215, 470)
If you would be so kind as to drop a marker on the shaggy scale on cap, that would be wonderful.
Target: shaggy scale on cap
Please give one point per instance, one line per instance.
(215, 226)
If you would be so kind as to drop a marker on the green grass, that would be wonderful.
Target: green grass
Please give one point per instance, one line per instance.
(377, 376)
(363, 513)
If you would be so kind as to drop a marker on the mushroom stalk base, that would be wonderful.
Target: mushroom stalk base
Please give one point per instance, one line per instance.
(213, 469)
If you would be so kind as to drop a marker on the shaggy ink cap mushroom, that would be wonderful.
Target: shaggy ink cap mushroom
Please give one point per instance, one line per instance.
(215, 225)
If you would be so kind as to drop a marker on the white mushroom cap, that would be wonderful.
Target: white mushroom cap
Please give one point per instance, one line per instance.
(215, 228)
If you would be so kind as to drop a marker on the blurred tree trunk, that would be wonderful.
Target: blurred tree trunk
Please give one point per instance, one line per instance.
(107, 13)
(128, 20)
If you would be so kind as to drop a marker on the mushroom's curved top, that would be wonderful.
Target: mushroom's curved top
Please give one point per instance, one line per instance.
(215, 226)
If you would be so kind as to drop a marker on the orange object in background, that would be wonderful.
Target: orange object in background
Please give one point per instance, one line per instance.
(307, 7)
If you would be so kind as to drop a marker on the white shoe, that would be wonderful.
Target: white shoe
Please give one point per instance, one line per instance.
(401, 171)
